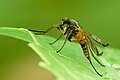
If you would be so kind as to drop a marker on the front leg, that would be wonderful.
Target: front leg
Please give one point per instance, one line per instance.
(41, 32)
(67, 37)
(56, 39)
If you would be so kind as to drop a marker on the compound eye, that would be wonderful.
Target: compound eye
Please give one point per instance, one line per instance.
(74, 22)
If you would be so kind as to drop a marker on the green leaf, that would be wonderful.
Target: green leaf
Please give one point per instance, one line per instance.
(70, 63)
(18, 33)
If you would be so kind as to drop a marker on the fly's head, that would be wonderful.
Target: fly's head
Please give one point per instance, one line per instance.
(71, 25)
(69, 21)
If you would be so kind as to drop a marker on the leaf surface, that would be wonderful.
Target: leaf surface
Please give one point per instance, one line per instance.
(70, 63)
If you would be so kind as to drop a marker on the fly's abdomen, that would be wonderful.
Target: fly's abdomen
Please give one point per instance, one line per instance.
(84, 48)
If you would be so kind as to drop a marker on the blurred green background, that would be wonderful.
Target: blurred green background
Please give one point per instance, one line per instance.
(19, 62)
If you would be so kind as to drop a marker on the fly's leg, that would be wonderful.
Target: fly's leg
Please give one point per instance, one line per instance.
(96, 58)
(67, 37)
(37, 32)
(86, 53)
(94, 68)
(41, 32)
(93, 47)
(60, 28)
(62, 46)
(56, 39)
(95, 38)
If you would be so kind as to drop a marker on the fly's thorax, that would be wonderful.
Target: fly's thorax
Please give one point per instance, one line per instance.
(80, 36)
(67, 30)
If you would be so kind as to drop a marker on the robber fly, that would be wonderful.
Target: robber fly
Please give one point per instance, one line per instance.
(74, 33)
